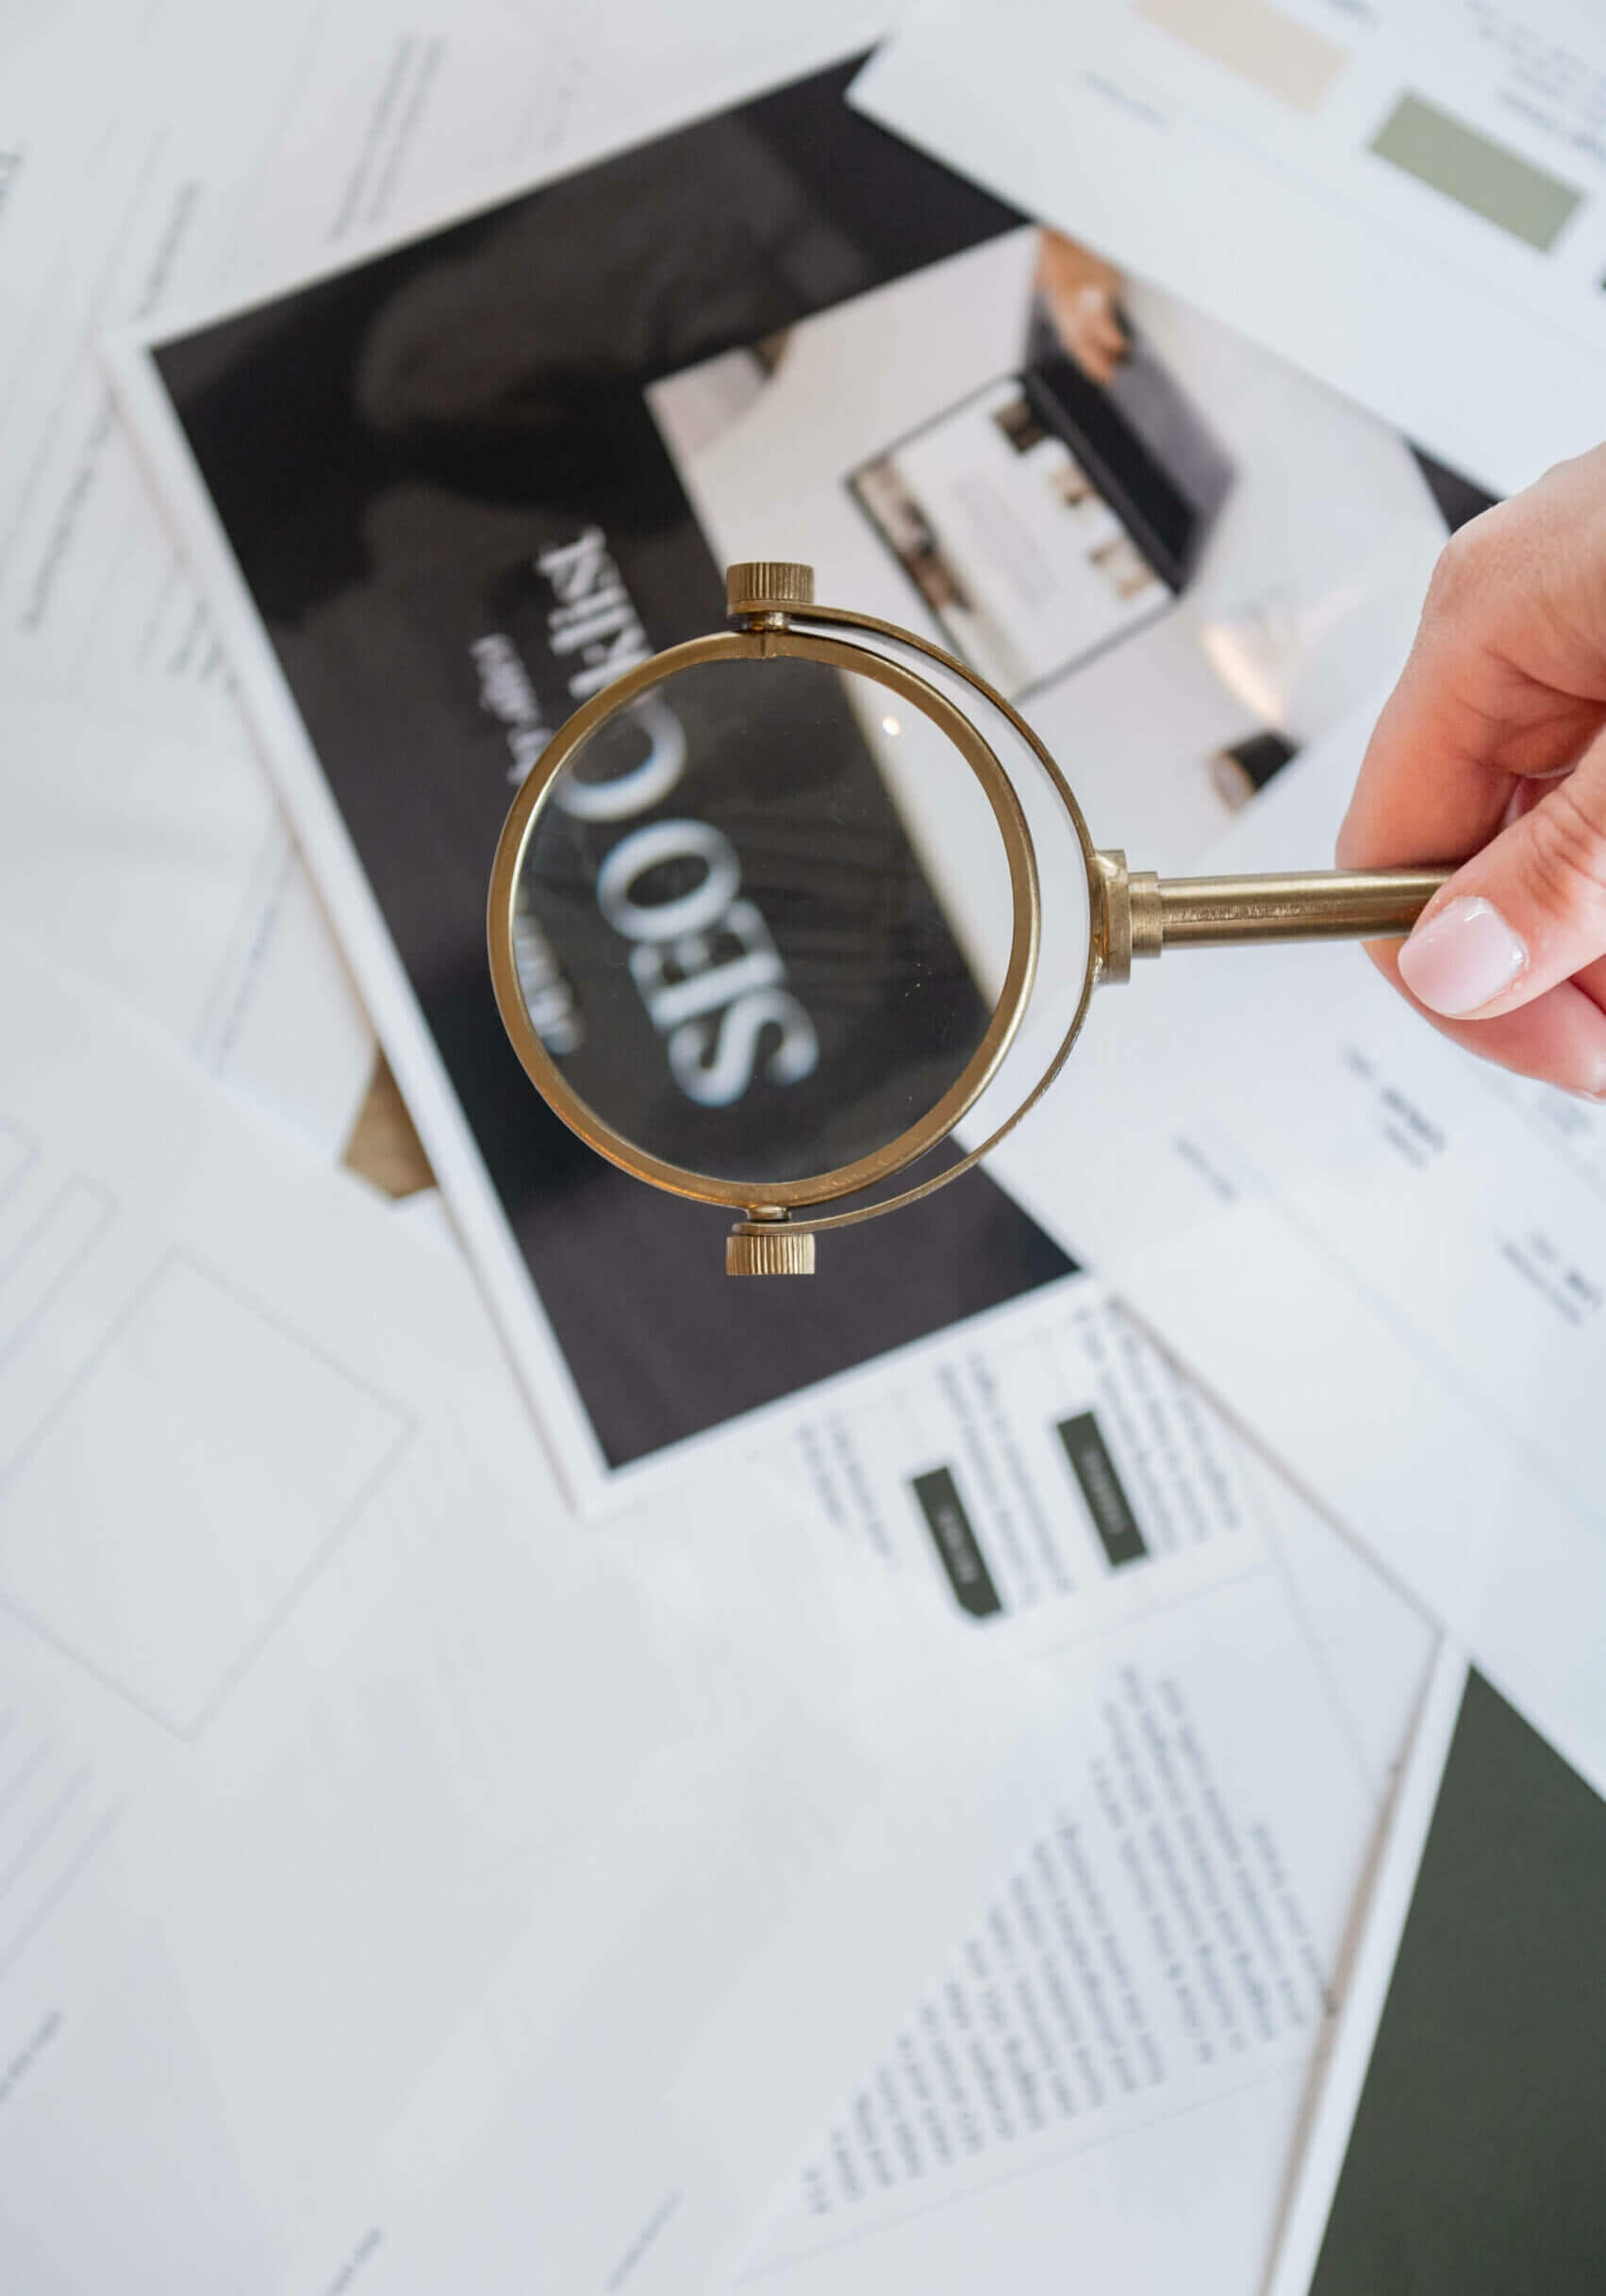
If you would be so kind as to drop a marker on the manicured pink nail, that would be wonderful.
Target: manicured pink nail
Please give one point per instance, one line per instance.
(1462, 959)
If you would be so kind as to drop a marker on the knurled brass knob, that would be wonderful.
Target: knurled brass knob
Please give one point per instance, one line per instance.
(764, 585)
(769, 1247)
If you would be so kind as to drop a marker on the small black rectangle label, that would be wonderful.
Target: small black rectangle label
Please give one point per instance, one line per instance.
(956, 1543)
(1100, 1486)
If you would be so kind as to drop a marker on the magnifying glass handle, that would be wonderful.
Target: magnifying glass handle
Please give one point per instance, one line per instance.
(1145, 914)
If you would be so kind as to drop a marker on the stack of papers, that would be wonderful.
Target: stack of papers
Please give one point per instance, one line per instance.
(577, 1876)
(518, 1768)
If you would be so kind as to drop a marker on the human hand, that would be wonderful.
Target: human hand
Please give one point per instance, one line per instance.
(1493, 746)
(1081, 293)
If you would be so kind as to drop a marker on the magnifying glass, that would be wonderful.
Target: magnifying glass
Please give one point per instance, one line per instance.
(778, 908)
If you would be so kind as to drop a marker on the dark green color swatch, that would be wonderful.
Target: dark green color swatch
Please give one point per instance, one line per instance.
(1477, 2164)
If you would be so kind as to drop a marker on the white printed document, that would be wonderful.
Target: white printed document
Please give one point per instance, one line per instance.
(143, 845)
(1131, 1999)
(337, 1768)
(1408, 199)
(1052, 1473)
(177, 154)
(1075, 1496)
(1386, 1258)
(1132, 1995)
(1105, 2085)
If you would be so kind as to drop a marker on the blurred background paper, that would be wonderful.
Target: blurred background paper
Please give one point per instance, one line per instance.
(1049, 2053)
(332, 1752)
(178, 153)
(156, 863)
(1409, 200)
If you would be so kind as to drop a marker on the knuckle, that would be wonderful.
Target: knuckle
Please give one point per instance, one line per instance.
(1566, 850)
(1476, 570)
(1449, 580)
(1461, 569)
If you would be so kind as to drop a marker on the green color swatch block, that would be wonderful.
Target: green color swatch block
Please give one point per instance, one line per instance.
(1494, 182)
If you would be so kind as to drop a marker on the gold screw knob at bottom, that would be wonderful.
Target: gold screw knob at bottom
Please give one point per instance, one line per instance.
(769, 1247)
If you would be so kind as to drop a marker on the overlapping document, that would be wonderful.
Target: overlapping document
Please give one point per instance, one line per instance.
(571, 1877)
(1408, 199)
(356, 1806)
(1387, 1257)
(177, 155)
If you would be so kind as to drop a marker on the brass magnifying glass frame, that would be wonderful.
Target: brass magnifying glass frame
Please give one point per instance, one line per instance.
(767, 1203)
(1131, 914)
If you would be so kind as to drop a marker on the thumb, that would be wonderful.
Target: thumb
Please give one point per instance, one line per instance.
(1527, 912)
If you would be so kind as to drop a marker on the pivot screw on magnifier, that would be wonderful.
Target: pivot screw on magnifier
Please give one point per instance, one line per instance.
(660, 880)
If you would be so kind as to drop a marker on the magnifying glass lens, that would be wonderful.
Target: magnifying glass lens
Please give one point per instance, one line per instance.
(763, 918)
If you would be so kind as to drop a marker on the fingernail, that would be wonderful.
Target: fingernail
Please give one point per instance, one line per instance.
(1462, 959)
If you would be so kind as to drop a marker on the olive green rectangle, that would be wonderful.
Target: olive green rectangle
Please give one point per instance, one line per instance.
(1478, 174)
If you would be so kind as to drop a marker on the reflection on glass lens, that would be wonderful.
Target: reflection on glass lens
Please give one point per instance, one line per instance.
(763, 918)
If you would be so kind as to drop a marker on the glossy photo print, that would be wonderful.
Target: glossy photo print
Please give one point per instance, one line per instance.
(452, 491)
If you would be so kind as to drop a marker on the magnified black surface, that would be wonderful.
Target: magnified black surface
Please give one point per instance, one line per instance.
(756, 982)
(424, 464)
